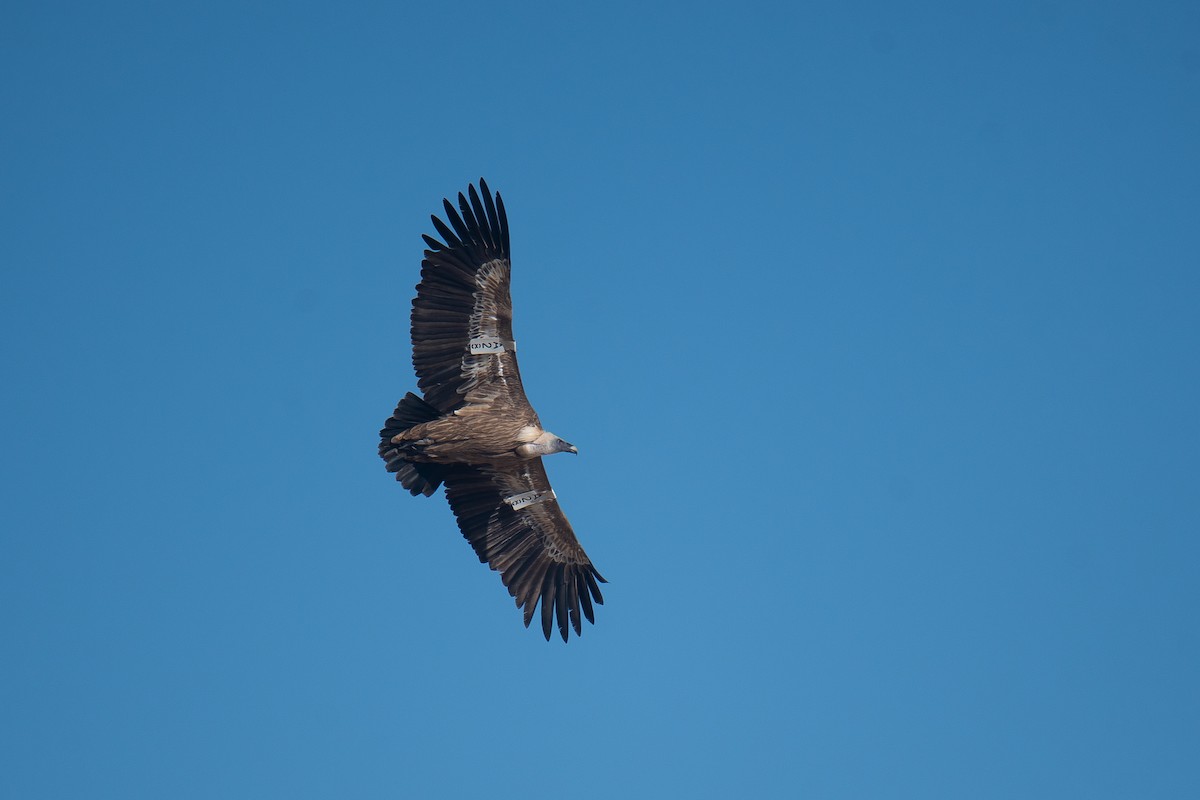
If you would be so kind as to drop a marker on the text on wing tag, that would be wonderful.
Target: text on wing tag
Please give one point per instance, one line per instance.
(490, 344)
(519, 501)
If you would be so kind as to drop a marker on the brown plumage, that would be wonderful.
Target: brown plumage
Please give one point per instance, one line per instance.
(475, 431)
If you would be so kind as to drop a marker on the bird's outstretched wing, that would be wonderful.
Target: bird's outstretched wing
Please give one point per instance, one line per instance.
(511, 518)
(463, 348)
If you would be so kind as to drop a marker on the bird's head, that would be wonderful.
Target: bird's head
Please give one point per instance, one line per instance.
(557, 445)
(544, 445)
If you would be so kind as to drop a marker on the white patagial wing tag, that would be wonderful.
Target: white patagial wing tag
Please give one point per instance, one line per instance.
(490, 344)
(519, 501)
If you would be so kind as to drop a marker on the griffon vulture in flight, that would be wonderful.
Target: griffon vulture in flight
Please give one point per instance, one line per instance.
(475, 431)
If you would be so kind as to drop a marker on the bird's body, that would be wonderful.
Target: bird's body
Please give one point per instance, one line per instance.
(477, 435)
(475, 431)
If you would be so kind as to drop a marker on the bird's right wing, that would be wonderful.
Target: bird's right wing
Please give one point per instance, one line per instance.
(462, 337)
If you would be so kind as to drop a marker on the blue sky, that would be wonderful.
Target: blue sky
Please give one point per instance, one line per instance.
(876, 326)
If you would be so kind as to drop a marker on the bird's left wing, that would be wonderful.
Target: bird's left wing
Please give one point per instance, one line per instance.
(512, 519)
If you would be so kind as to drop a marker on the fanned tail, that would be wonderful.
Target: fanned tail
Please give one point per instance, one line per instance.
(416, 476)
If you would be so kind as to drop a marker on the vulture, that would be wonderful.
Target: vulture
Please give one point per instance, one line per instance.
(474, 431)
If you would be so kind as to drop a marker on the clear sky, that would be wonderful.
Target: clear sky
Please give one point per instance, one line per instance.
(877, 326)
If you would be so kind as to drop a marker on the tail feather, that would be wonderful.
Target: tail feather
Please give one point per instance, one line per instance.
(417, 476)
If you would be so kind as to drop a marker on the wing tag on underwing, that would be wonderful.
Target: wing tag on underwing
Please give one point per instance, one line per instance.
(524, 499)
(490, 344)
